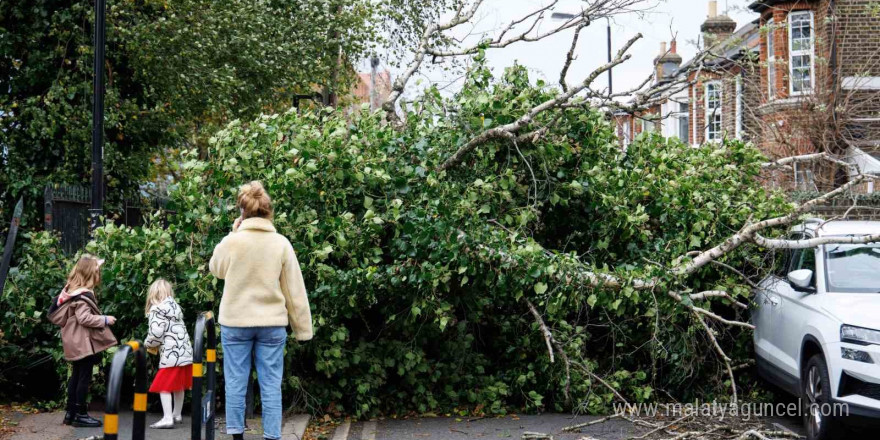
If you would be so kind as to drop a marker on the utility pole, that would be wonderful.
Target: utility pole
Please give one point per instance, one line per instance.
(609, 54)
(97, 208)
(374, 65)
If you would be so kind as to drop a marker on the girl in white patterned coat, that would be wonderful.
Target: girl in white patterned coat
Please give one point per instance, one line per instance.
(168, 331)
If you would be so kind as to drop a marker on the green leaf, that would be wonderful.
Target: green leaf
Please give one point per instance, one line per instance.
(540, 288)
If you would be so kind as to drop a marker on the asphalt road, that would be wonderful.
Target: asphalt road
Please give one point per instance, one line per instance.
(509, 427)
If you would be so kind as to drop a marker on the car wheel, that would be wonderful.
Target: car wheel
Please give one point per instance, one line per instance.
(819, 422)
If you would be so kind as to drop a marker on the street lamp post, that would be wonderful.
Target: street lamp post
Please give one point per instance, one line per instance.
(567, 16)
(97, 208)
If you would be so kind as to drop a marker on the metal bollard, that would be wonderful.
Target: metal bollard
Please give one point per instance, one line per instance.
(114, 388)
(203, 408)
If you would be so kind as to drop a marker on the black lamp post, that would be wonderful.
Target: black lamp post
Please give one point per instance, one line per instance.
(97, 208)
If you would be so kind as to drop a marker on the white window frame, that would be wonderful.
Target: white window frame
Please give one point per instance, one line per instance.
(771, 61)
(707, 111)
(626, 132)
(739, 107)
(680, 114)
(693, 115)
(811, 52)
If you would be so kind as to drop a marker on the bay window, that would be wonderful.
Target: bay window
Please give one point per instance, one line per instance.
(801, 51)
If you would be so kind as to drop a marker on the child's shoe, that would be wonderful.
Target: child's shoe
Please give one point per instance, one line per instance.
(82, 419)
(163, 424)
(178, 419)
(69, 414)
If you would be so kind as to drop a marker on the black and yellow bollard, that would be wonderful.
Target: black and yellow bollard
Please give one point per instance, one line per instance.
(203, 407)
(114, 388)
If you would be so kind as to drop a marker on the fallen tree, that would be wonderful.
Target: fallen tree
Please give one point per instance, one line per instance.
(495, 249)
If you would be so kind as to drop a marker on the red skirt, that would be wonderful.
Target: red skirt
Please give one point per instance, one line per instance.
(171, 379)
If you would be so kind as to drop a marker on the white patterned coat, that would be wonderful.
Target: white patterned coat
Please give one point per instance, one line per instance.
(168, 330)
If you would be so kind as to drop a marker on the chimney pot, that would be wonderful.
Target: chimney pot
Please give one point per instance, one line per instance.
(713, 8)
(673, 46)
(662, 47)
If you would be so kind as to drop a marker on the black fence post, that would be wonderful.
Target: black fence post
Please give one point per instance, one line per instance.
(114, 389)
(203, 408)
(47, 208)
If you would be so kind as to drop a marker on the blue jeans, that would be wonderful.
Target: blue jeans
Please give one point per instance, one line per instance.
(267, 345)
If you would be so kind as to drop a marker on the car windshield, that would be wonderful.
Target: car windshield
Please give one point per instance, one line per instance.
(853, 267)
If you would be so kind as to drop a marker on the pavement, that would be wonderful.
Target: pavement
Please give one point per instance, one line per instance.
(47, 426)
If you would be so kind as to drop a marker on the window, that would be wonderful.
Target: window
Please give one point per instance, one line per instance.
(683, 124)
(626, 137)
(788, 256)
(800, 46)
(804, 259)
(694, 111)
(713, 111)
(771, 63)
(852, 268)
(803, 179)
(739, 107)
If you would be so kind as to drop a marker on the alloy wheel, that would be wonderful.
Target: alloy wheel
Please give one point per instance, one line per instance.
(814, 391)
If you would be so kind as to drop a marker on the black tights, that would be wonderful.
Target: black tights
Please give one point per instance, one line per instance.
(78, 384)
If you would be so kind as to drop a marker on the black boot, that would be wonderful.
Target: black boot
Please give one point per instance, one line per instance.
(82, 419)
(68, 417)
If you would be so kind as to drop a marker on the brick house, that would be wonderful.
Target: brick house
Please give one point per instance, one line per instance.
(718, 88)
(803, 77)
(363, 92)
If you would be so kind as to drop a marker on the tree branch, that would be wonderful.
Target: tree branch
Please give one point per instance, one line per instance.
(721, 354)
(548, 338)
(509, 130)
(400, 83)
(570, 56)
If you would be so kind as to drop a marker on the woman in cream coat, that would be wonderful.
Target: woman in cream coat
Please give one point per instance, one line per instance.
(263, 294)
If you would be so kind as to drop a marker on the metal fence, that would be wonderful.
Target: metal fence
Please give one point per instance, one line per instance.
(66, 211)
(136, 211)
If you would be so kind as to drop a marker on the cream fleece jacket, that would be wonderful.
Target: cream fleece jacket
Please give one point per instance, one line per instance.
(264, 286)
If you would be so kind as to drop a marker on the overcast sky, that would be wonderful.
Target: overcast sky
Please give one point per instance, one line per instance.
(545, 58)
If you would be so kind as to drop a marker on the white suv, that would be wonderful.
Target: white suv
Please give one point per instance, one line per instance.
(817, 326)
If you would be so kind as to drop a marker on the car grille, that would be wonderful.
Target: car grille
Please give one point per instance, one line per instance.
(851, 386)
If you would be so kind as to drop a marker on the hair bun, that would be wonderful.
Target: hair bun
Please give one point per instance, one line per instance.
(254, 189)
(254, 201)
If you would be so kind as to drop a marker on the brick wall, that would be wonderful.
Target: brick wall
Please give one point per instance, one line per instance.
(858, 24)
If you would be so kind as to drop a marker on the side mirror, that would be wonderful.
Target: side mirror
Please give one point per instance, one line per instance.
(800, 280)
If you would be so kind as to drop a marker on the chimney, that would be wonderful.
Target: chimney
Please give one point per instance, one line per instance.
(666, 63)
(716, 28)
(673, 46)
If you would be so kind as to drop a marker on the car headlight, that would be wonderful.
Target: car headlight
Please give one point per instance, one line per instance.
(859, 335)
